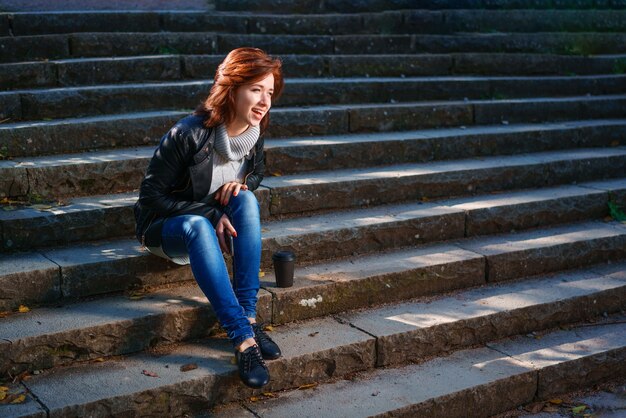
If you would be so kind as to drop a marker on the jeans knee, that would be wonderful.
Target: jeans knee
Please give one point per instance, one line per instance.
(245, 200)
(195, 225)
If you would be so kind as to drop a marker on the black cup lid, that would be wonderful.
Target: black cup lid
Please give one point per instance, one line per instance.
(283, 256)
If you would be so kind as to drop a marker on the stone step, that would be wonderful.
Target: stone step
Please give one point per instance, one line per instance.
(481, 382)
(48, 47)
(104, 172)
(107, 266)
(395, 21)
(133, 129)
(111, 216)
(90, 71)
(318, 350)
(344, 189)
(69, 102)
(319, 6)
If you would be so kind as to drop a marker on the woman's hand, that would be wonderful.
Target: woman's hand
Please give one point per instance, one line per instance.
(222, 228)
(223, 193)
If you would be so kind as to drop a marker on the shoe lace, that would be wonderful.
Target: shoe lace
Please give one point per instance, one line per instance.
(253, 359)
(261, 335)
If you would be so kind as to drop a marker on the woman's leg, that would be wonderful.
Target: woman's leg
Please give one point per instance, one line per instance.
(243, 211)
(194, 235)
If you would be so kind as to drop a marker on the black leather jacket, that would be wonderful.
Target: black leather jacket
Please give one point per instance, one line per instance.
(178, 179)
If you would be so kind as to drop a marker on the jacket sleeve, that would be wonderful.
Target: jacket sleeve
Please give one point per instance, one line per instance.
(256, 176)
(166, 168)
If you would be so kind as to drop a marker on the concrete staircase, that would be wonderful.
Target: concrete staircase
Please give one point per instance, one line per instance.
(451, 177)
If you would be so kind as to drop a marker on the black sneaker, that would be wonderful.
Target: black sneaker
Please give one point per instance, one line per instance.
(269, 349)
(252, 369)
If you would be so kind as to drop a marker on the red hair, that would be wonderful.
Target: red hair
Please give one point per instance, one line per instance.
(241, 66)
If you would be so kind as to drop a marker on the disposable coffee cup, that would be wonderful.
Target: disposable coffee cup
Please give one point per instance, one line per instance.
(284, 262)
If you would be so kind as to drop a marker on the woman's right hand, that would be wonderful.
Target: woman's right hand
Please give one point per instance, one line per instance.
(222, 228)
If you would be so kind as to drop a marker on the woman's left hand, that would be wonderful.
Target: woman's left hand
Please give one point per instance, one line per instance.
(223, 194)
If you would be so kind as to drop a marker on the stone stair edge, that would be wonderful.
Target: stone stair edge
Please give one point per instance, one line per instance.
(162, 309)
(468, 380)
(445, 20)
(122, 258)
(75, 102)
(282, 370)
(59, 73)
(38, 47)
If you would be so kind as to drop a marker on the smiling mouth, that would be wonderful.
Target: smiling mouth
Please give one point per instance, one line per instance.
(257, 112)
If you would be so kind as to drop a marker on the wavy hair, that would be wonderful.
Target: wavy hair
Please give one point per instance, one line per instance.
(241, 66)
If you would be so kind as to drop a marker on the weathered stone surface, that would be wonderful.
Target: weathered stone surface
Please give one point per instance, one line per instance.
(553, 109)
(510, 212)
(465, 381)
(28, 278)
(75, 135)
(119, 265)
(368, 280)
(615, 188)
(200, 66)
(102, 175)
(72, 22)
(199, 21)
(373, 44)
(361, 231)
(412, 332)
(124, 44)
(304, 24)
(4, 25)
(83, 219)
(568, 361)
(276, 6)
(374, 118)
(533, 21)
(13, 179)
(30, 48)
(382, 66)
(509, 64)
(10, 107)
(573, 166)
(285, 44)
(320, 120)
(108, 327)
(105, 100)
(559, 43)
(30, 408)
(313, 352)
(117, 70)
(27, 75)
(422, 21)
(554, 86)
(543, 251)
(119, 388)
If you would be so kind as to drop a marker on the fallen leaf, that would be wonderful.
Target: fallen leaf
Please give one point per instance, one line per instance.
(136, 295)
(19, 399)
(556, 401)
(40, 207)
(269, 395)
(309, 386)
(188, 367)
(313, 334)
(3, 396)
(23, 309)
(254, 398)
(149, 373)
(550, 409)
(4, 314)
(8, 208)
(261, 274)
(579, 409)
(268, 328)
(99, 360)
(233, 360)
(3, 388)
(265, 230)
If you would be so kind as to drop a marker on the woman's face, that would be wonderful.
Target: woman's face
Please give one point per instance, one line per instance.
(253, 101)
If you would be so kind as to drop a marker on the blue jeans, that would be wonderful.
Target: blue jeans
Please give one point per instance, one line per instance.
(195, 236)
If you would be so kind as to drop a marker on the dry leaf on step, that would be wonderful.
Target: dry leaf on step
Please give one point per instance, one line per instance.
(149, 373)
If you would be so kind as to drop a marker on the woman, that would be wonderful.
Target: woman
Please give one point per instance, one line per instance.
(197, 196)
